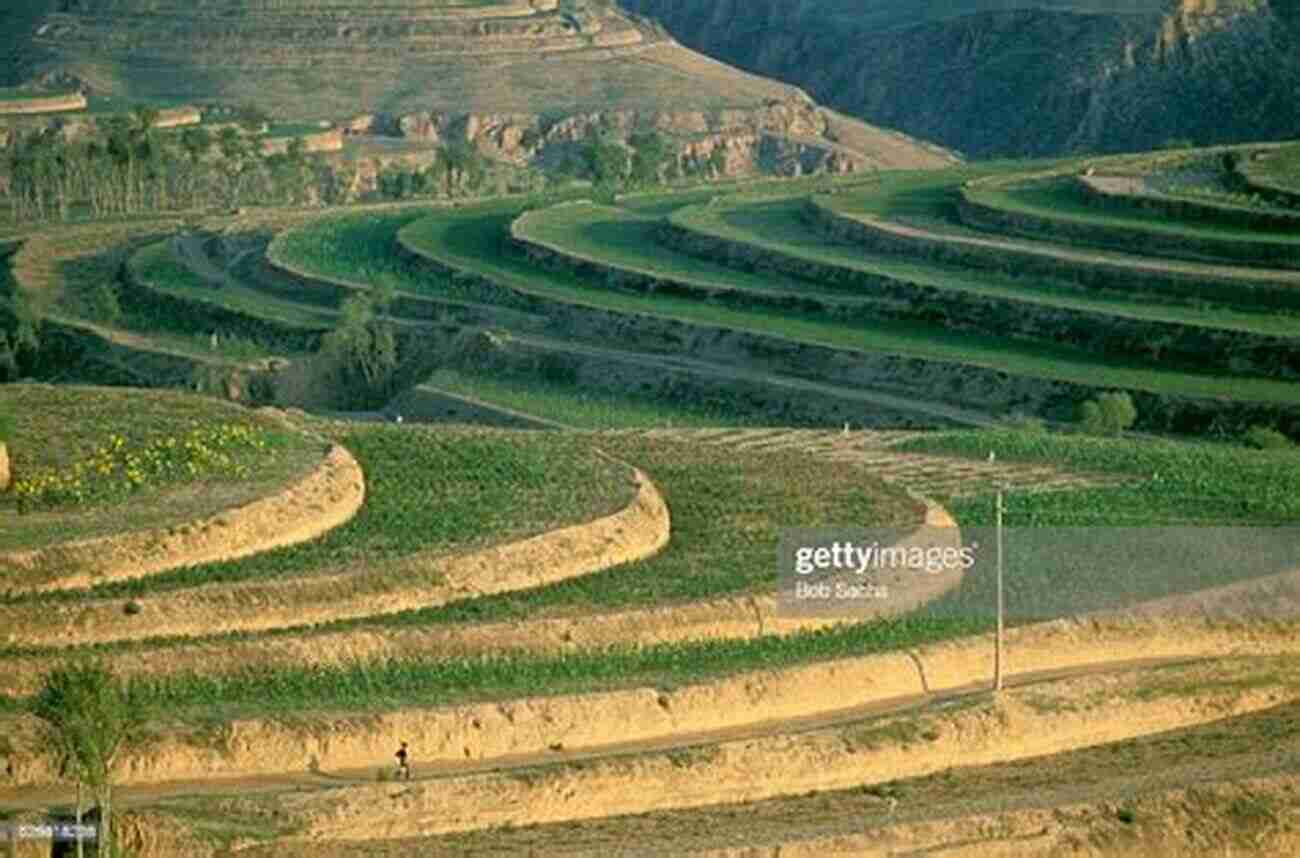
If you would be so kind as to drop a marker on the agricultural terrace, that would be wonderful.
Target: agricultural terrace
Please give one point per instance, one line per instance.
(1052, 207)
(469, 240)
(777, 226)
(726, 515)
(90, 462)
(559, 609)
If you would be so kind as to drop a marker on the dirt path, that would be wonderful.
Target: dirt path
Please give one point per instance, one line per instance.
(135, 796)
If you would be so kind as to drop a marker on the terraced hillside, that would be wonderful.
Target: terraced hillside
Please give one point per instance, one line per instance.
(551, 663)
(581, 627)
(521, 80)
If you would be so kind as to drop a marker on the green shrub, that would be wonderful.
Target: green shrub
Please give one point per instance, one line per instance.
(1265, 438)
(1108, 414)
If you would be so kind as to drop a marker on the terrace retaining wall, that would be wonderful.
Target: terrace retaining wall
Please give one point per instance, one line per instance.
(200, 316)
(322, 500)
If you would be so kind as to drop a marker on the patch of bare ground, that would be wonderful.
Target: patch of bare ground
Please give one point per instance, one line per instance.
(638, 530)
(325, 498)
(929, 475)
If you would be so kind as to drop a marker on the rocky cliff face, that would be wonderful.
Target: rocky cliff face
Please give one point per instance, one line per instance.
(1029, 81)
(789, 137)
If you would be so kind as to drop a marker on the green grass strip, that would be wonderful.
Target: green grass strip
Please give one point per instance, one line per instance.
(625, 240)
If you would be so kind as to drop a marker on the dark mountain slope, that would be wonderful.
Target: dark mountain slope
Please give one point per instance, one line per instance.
(1047, 78)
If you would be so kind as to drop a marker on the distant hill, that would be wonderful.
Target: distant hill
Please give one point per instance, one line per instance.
(1021, 77)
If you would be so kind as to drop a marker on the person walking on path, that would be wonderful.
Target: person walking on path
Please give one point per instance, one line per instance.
(403, 763)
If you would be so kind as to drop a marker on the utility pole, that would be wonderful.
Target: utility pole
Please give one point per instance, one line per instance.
(997, 651)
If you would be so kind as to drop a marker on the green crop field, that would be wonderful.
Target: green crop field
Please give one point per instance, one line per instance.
(1199, 483)
(210, 698)
(727, 513)
(471, 239)
(710, 496)
(21, 94)
(1190, 520)
(55, 428)
(431, 492)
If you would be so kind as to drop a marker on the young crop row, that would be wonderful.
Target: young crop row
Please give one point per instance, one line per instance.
(429, 491)
(117, 469)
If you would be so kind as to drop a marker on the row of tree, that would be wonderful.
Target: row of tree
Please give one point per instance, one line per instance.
(126, 166)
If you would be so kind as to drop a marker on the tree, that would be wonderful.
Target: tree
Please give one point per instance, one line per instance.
(88, 719)
(362, 348)
(607, 161)
(651, 154)
(1108, 414)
